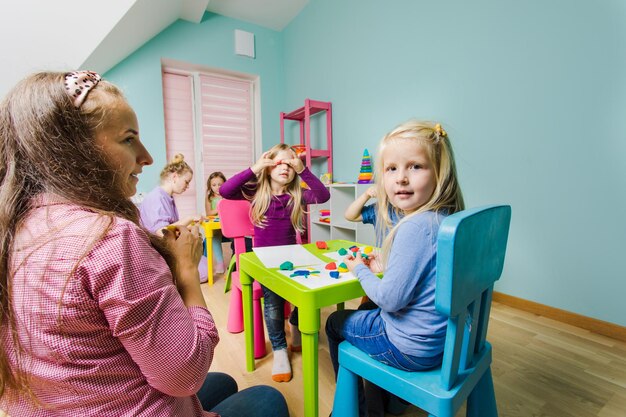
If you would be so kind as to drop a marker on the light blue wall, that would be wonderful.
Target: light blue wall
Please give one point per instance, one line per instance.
(533, 95)
(211, 44)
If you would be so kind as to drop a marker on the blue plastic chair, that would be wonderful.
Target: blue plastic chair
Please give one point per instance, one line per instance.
(471, 245)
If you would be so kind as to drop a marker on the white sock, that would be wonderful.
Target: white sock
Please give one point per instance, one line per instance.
(296, 338)
(281, 369)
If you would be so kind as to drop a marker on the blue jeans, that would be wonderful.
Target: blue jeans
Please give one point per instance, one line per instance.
(365, 329)
(274, 312)
(219, 395)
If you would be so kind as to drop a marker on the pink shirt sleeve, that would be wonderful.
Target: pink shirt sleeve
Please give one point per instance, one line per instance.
(132, 285)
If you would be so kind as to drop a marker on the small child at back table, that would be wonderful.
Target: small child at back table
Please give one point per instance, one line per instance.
(213, 184)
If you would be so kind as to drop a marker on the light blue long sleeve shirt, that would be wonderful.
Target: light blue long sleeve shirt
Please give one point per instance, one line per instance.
(406, 294)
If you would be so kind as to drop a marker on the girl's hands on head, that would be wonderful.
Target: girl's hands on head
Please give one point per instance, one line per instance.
(296, 164)
(263, 162)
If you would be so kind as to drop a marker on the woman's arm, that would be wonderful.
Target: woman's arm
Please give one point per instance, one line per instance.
(133, 287)
(186, 246)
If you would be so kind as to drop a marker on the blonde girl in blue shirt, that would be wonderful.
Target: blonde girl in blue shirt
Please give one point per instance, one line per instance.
(415, 178)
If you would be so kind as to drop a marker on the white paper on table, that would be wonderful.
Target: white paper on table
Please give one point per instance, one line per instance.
(320, 279)
(274, 256)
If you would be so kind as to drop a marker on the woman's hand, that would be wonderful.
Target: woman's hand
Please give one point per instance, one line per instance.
(263, 162)
(185, 242)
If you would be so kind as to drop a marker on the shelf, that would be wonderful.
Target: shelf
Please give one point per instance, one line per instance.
(347, 226)
(302, 115)
(314, 108)
(341, 196)
(320, 223)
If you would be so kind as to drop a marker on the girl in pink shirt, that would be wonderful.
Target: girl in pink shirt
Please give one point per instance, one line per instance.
(98, 317)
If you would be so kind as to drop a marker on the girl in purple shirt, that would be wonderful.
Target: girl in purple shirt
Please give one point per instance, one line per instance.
(278, 200)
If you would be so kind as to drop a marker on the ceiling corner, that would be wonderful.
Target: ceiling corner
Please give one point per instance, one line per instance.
(193, 10)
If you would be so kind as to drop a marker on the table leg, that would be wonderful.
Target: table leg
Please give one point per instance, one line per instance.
(248, 325)
(309, 324)
(208, 234)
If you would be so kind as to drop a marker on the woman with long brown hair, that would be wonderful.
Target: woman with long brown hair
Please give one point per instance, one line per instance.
(97, 315)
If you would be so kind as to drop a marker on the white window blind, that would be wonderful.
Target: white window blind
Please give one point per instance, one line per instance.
(227, 124)
(179, 136)
(223, 130)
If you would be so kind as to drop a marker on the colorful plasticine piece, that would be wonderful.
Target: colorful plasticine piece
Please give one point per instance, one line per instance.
(368, 249)
(342, 252)
(321, 244)
(286, 266)
(300, 273)
(334, 274)
(331, 265)
(342, 267)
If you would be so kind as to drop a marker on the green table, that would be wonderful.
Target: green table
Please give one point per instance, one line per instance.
(309, 301)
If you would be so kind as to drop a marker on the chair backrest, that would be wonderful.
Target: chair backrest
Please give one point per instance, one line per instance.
(235, 222)
(471, 245)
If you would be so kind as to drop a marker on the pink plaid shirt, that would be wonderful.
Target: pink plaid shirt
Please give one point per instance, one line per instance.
(103, 327)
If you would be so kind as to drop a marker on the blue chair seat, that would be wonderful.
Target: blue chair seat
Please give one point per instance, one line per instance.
(423, 389)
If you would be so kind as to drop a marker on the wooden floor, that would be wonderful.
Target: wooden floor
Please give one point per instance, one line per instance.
(541, 368)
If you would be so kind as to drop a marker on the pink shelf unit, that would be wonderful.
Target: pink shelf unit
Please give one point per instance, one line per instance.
(303, 116)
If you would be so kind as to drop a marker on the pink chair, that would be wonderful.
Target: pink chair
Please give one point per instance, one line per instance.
(236, 224)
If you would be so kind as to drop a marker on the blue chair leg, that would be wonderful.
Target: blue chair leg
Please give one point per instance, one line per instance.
(346, 403)
(482, 401)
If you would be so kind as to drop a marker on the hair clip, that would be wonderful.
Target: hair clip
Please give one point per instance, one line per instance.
(439, 131)
(79, 83)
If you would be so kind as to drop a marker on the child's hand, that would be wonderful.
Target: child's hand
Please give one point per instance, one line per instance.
(371, 191)
(374, 263)
(352, 261)
(263, 162)
(295, 163)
